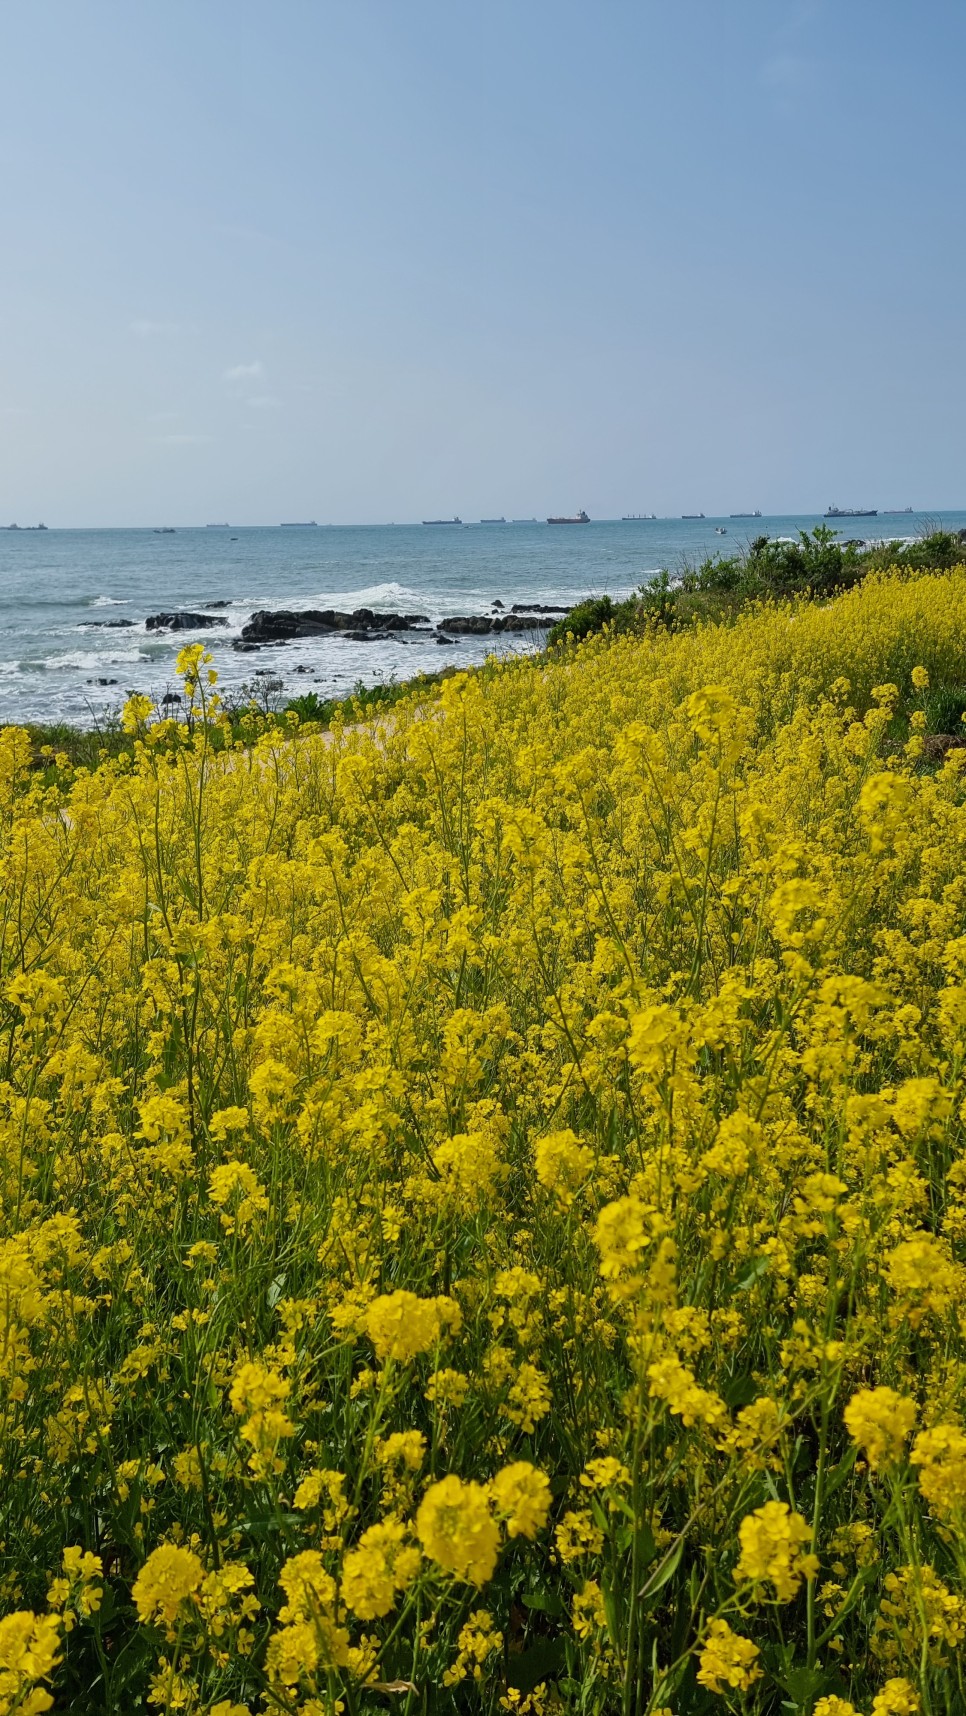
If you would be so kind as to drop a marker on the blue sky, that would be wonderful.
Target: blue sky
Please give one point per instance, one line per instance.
(363, 260)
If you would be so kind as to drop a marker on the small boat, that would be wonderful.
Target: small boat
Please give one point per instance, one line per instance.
(453, 520)
(164, 530)
(720, 530)
(578, 518)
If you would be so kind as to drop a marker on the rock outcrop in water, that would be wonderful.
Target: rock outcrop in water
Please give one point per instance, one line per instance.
(363, 625)
(519, 619)
(182, 622)
(268, 626)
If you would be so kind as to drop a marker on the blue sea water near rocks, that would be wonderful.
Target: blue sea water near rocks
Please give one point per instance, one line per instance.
(65, 657)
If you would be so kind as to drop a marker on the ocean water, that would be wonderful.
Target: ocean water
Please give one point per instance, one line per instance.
(59, 661)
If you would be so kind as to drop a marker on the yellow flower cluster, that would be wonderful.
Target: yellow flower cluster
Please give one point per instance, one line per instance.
(483, 1192)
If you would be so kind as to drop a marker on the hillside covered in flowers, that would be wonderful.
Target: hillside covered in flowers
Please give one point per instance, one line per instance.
(483, 1217)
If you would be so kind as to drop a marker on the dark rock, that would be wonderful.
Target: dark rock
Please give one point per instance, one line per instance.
(519, 619)
(182, 622)
(539, 608)
(498, 603)
(113, 624)
(477, 625)
(280, 626)
(221, 603)
(102, 682)
(245, 648)
(266, 626)
(442, 639)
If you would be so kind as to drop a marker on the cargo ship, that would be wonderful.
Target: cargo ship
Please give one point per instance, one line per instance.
(299, 524)
(636, 517)
(852, 512)
(578, 518)
(692, 515)
(453, 520)
(493, 521)
(755, 514)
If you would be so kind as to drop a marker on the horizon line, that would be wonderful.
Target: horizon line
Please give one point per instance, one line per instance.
(472, 523)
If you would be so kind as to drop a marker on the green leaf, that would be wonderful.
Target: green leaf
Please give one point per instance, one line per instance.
(804, 1684)
(542, 1661)
(545, 1602)
(740, 1391)
(665, 1571)
(759, 1268)
(646, 1545)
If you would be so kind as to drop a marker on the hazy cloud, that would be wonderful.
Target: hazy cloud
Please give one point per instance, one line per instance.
(264, 402)
(245, 371)
(183, 440)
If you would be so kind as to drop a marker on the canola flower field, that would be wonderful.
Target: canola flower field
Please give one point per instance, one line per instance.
(484, 1194)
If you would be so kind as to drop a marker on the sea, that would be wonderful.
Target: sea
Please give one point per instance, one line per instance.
(74, 603)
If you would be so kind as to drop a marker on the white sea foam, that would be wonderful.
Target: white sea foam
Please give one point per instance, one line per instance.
(85, 661)
(371, 596)
(109, 602)
(391, 597)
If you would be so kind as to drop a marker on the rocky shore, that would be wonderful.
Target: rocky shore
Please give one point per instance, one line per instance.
(362, 625)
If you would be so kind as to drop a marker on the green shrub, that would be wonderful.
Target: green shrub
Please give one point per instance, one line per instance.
(590, 616)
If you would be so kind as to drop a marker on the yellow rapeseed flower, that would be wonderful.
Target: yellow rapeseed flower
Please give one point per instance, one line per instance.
(457, 1530)
(772, 1550)
(170, 1574)
(880, 1420)
(727, 1660)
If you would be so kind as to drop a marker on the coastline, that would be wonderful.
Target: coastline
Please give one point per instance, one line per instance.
(74, 605)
